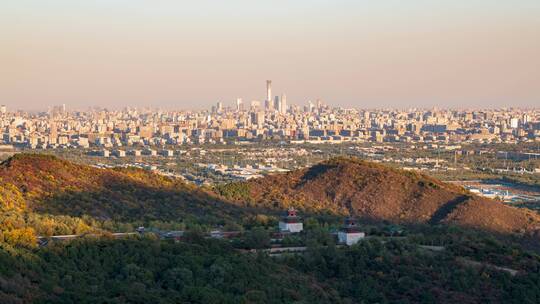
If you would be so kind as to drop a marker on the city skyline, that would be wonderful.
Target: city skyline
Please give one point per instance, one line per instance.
(269, 103)
(348, 53)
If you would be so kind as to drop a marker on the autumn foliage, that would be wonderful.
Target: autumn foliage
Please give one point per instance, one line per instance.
(53, 197)
(350, 186)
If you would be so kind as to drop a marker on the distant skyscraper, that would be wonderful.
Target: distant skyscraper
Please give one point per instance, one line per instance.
(269, 90)
(277, 104)
(257, 118)
(239, 104)
(219, 107)
(283, 107)
(310, 106)
(319, 105)
(525, 119)
(514, 123)
(268, 104)
(3, 109)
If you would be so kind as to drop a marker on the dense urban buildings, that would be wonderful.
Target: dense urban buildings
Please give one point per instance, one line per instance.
(275, 120)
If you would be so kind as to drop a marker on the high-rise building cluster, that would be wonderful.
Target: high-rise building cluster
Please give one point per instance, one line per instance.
(316, 122)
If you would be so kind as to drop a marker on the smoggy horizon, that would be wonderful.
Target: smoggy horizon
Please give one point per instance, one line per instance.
(182, 55)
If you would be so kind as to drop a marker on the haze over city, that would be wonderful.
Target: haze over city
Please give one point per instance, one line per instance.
(185, 54)
(249, 151)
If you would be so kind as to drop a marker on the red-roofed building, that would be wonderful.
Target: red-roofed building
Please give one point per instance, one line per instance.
(291, 222)
(349, 234)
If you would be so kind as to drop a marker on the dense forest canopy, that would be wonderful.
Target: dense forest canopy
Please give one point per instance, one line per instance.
(44, 196)
(199, 270)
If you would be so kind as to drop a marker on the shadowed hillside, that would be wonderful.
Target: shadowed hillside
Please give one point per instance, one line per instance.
(43, 195)
(352, 186)
(53, 196)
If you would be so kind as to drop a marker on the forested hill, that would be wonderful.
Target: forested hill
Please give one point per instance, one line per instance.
(44, 195)
(51, 196)
(366, 189)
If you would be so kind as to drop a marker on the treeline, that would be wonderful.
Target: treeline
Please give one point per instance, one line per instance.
(151, 271)
(398, 272)
(199, 270)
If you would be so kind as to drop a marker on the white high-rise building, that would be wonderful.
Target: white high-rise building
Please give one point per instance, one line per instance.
(283, 107)
(269, 90)
(514, 123)
(268, 104)
(219, 107)
(310, 106)
(239, 104)
(3, 109)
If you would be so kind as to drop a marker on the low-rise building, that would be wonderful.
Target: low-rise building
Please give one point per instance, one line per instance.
(349, 234)
(291, 222)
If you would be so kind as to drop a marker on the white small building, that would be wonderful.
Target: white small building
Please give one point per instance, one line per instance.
(349, 234)
(291, 222)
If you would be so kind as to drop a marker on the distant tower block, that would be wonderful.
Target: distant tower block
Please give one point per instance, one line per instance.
(349, 233)
(219, 106)
(269, 90)
(269, 105)
(283, 106)
(239, 104)
(291, 222)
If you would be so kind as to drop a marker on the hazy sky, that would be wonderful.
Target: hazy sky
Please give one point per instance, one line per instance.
(190, 54)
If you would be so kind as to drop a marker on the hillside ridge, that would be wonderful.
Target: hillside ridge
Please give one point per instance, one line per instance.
(351, 186)
(47, 186)
(45, 195)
